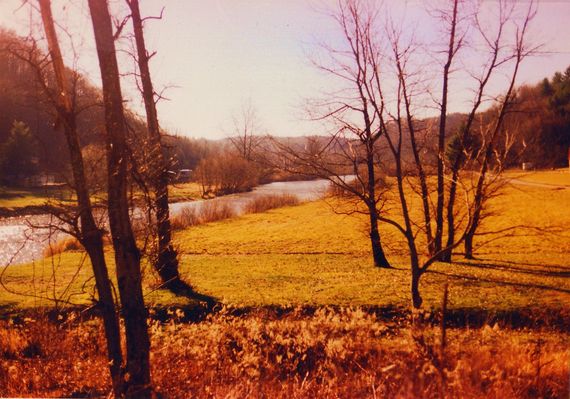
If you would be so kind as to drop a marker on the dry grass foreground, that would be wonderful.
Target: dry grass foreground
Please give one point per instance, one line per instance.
(342, 353)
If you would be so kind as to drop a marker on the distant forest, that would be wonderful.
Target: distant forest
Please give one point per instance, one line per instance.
(31, 143)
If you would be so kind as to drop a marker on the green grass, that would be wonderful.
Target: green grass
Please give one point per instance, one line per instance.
(308, 255)
(14, 197)
(184, 192)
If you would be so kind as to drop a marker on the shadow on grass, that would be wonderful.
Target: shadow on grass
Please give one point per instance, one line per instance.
(500, 282)
(510, 262)
(519, 268)
(181, 288)
(394, 317)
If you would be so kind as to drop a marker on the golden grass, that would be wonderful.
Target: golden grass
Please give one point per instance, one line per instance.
(555, 177)
(179, 192)
(342, 353)
(209, 211)
(14, 198)
(65, 244)
(308, 255)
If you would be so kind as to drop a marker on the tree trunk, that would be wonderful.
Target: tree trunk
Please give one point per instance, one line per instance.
(451, 50)
(90, 234)
(446, 255)
(472, 229)
(127, 255)
(377, 251)
(167, 263)
(469, 247)
(418, 161)
(416, 297)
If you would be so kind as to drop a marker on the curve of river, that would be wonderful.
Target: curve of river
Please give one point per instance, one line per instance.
(23, 241)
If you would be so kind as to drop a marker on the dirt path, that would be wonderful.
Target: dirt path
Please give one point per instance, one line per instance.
(520, 182)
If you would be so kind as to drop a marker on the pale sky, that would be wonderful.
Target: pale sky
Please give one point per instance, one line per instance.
(220, 54)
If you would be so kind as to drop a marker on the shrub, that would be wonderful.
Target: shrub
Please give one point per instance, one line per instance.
(206, 212)
(226, 173)
(60, 246)
(271, 201)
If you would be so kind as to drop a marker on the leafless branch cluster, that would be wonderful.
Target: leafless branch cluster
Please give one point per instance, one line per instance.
(387, 153)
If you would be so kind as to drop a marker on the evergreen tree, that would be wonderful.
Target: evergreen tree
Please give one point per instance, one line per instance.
(19, 154)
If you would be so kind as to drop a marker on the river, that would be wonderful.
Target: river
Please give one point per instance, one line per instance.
(22, 239)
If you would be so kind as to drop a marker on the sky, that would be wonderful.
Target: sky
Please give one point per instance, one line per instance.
(213, 57)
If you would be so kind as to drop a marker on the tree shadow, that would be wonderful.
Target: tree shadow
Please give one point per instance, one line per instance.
(514, 267)
(501, 282)
(181, 288)
(562, 267)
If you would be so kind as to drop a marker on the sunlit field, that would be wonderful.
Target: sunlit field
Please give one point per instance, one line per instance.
(14, 199)
(557, 177)
(310, 255)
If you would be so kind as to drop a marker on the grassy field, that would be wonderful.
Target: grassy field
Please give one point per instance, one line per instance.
(21, 197)
(184, 192)
(559, 177)
(308, 255)
(14, 198)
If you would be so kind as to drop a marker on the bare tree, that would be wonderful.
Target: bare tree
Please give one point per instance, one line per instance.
(490, 131)
(127, 254)
(390, 133)
(246, 137)
(484, 188)
(493, 134)
(87, 232)
(455, 44)
(166, 263)
(351, 147)
(496, 58)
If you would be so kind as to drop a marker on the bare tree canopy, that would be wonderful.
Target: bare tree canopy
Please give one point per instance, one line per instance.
(378, 139)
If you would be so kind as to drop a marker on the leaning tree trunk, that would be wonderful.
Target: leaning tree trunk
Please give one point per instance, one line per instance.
(166, 263)
(90, 234)
(451, 51)
(469, 246)
(127, 255)
(476, 217)
(480, 195)
(415, 287)
(377, 250)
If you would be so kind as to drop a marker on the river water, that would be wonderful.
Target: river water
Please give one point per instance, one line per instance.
(24, 239)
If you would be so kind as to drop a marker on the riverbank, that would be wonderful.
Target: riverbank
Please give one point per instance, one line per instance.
(17, 201)
(20, 243)
(26, 201)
